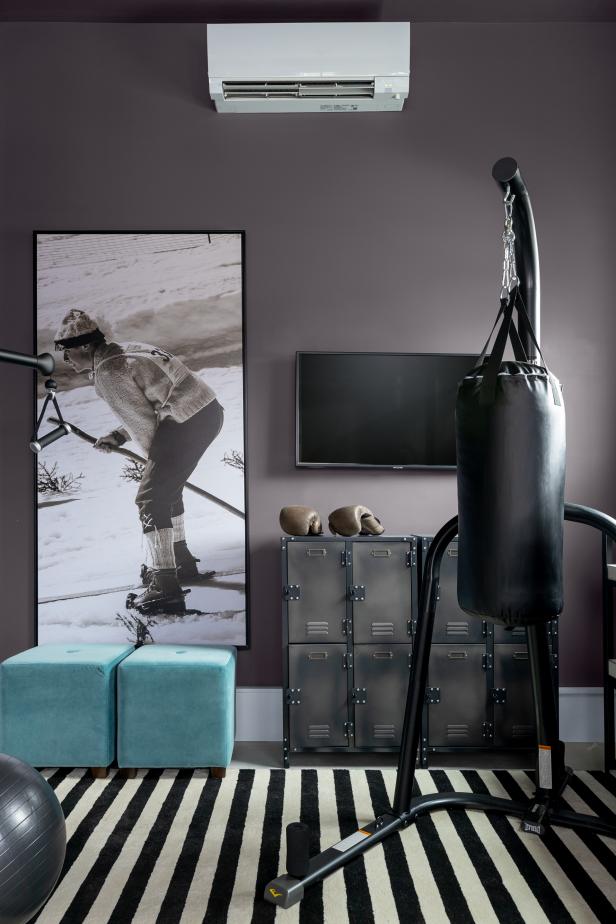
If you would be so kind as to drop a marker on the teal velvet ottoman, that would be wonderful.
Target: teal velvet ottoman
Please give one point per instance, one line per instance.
(58, 705)
(176, 707)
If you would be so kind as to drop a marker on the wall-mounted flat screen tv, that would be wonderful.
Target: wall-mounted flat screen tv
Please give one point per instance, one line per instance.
(380, 410)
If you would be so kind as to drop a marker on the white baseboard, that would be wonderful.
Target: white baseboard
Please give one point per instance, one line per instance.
(581, 713)
(259, 714)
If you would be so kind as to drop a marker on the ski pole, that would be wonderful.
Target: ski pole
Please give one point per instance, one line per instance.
(136, 458)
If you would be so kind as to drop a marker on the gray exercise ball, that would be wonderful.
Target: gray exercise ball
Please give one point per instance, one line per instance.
(32, 840)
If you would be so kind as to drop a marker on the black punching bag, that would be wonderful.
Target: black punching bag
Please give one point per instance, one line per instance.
(510, 442)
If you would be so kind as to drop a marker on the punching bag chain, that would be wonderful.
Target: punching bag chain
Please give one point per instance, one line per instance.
(510, 275)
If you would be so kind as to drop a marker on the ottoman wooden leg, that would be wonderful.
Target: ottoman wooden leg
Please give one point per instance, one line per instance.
(127, 773)
(218, 773)
(99, 773)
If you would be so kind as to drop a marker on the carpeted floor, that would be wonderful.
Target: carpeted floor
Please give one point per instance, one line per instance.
(174, 845)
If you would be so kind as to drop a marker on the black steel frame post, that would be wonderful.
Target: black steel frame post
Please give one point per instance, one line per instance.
(546, 707)
(507, 174)
(551, 775)
(608, 653)
(416, 695)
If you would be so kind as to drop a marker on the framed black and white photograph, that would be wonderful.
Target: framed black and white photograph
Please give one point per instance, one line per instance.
(141, 527)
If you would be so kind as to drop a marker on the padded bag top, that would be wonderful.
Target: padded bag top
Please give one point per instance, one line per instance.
(510, 444)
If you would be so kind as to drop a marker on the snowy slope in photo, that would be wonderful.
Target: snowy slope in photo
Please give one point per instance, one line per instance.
(89, 537)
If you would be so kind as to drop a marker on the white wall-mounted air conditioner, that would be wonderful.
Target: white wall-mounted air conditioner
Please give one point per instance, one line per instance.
(309, 67)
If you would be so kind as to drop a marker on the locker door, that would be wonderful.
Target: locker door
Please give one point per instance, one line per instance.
(514, 636)
(384, 615)
(451, 624)
(382, 671)
(458, 719)
(318, 569)
(318, 677)
(514, 720)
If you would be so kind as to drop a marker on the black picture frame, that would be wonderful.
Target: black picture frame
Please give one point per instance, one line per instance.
(38, 232)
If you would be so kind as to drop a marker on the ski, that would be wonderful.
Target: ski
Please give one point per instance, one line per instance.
(123, 589)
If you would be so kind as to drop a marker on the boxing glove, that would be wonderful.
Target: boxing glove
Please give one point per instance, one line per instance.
(300, 521)
(349, 521)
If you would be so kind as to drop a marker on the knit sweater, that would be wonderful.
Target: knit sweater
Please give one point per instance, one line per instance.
(144, 385)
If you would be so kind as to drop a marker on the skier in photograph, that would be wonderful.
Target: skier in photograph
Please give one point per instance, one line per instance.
(174, 416)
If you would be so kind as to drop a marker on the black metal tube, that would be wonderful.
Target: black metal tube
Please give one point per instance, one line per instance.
(507, 173)
(577, 513)
(44, 362)
(543, 687)
(419, 668)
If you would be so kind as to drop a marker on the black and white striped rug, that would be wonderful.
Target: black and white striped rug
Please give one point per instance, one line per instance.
(176, 846)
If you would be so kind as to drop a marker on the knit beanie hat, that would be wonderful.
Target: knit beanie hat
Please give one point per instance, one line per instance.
(77, 328)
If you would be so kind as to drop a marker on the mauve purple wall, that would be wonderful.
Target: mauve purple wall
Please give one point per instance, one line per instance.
(363, 232)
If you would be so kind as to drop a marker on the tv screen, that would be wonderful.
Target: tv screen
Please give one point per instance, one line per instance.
(382, 410)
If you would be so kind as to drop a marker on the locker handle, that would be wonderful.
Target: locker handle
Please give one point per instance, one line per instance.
(380, 553)
(457, 654)
(383, 654)
(520, 656)
(317, 655)
(315, 552)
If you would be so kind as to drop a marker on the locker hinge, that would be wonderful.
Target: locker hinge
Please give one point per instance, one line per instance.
(347, 661)
(349, 729)
(346, 559)
(409, 627)
(347, 626)
(357, 592)
(360, 696)
(291, 592)
(486, 661)
(433, 695)
(411, 558)
(498, 694)
(292, 696)
(484, 628)
(487, 730)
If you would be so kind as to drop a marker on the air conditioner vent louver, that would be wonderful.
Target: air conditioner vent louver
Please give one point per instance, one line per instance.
(296, 89)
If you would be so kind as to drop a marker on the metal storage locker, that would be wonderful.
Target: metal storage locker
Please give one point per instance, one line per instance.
(457, 697)
(316, 589)
(451, 624)
(317, 696)
(322, 597)
(381, 591)
(514, 717)
(381, 677)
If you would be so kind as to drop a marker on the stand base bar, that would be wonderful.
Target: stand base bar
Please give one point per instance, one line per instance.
(286, 891)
